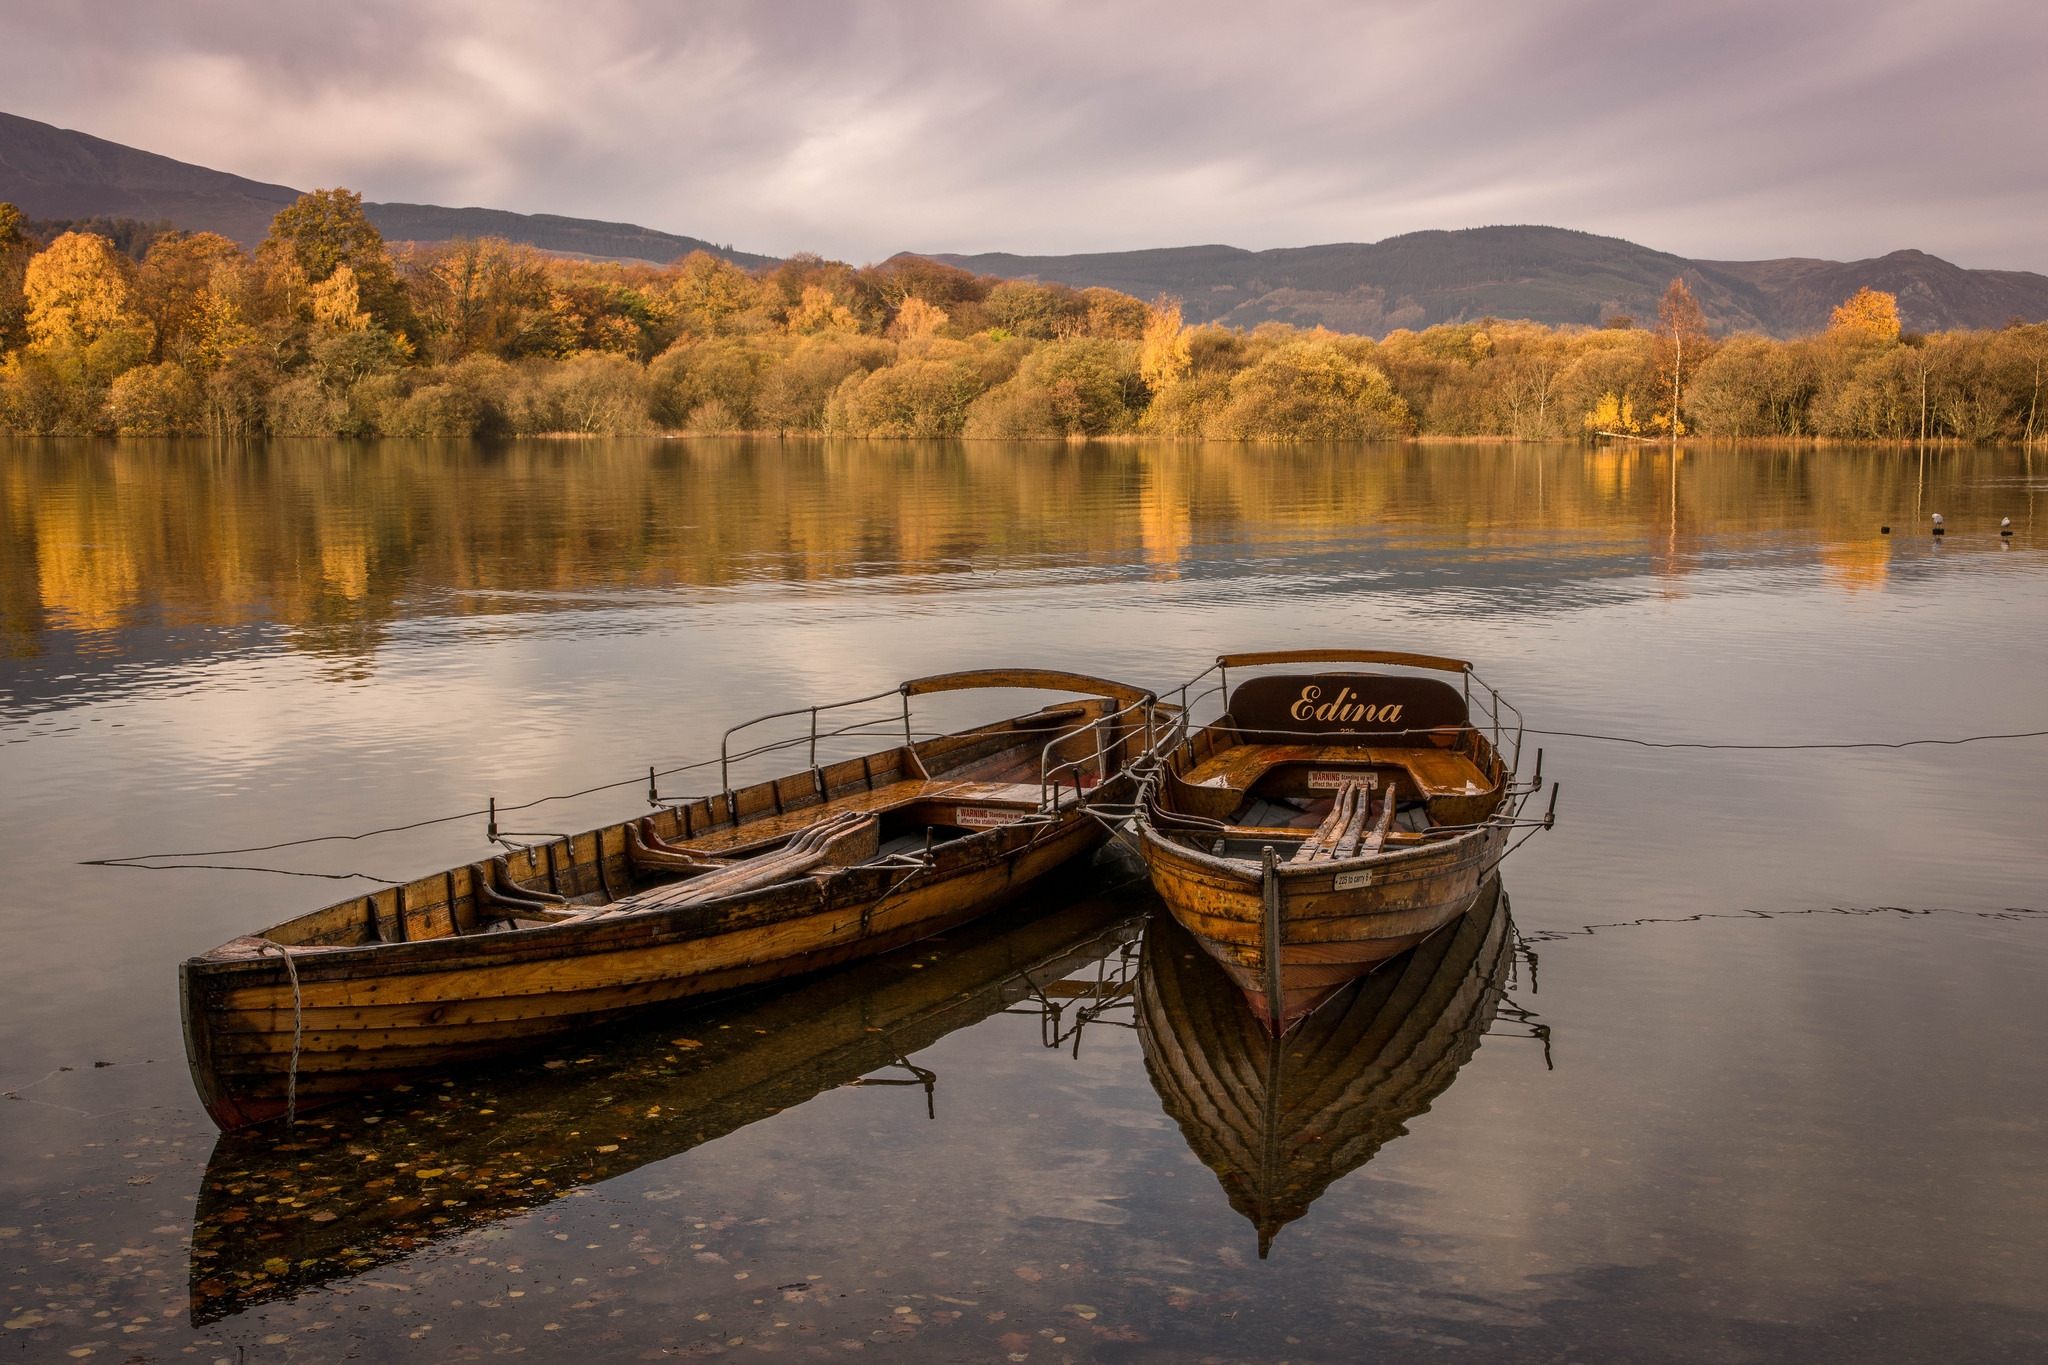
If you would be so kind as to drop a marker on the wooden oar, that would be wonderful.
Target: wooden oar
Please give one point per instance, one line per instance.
(1347, 843)
(1319, 843)
(838, 840)
(646, 851)
(1378, 838)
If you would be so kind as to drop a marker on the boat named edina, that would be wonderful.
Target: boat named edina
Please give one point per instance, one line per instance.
(769, 880)
(1325, 822)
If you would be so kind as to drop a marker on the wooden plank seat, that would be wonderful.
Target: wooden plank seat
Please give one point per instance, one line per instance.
(1435, 772)
(1021, 796)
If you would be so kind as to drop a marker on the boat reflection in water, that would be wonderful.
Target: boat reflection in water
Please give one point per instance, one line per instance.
(375, 1180)
(1280, 1120)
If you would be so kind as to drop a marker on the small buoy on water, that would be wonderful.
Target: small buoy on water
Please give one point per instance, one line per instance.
(1939, 529)
(2005, 526)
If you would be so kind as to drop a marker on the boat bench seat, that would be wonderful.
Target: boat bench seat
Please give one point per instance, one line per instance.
(1435, 772)
(1020, 796)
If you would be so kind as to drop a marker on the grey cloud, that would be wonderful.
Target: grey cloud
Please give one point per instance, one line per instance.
(1719, 130)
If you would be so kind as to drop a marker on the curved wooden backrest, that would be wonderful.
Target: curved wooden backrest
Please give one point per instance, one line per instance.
(1344, 656)
(1045, 679)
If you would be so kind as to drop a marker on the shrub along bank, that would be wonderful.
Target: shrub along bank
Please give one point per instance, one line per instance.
(326, 330)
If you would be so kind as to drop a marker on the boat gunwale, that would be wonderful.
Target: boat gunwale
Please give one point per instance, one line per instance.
(657, 926)
(1012, 679)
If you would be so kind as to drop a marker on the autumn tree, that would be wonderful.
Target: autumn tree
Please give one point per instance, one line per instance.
(16, 246)
(480, 295)
(1866, 316)
(916, 319)
(173, 282)
(325, 230)
(1114, 316)
(880, 290)
(1682, 345)
(1038, 311)
(816, 310)
(80, 291)
(1163, 349)
(710, 293)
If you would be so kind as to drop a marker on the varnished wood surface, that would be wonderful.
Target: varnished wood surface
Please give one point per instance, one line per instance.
(737, 1063)
(1339, 914)
(1280, 1120)
(1043, 679)
(421, 975)
(1430, 771)
(1393, 658)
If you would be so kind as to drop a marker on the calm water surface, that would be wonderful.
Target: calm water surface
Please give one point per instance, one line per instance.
(1747, 1065)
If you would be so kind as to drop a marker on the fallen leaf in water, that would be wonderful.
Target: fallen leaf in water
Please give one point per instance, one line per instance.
(1013, 1341)
(325, 1217)
(1025, 1272)
(685, 1042)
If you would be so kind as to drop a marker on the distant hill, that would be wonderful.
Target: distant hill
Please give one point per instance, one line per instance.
(1933, 294)
(549, 232)
(1549, 274)
(54, 172)
(1552, 275)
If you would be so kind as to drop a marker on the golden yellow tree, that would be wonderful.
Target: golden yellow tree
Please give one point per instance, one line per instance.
(1163, 351)
(818, 311)
(337, 302)
(1866, 315)
(1613, 415)
(80, 291)
(916, 319)
(711, 291)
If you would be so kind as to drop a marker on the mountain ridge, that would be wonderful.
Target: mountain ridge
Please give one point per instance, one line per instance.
(51, 172)
(1558, 276)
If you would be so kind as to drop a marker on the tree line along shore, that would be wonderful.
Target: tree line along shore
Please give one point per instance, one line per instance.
(327, 330)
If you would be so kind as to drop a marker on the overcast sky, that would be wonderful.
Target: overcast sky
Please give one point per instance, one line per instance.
(1730, 129)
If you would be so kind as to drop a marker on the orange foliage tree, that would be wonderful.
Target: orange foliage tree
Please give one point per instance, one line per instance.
(1683, 344)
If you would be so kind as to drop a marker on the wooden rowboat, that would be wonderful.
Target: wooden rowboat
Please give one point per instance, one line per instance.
(1326, 821)
(384, 1178)
(759, 882)
(1279, 1120)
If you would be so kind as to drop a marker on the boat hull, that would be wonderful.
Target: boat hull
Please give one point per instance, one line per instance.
(365, 1018)
(1328, 936)
(1281, 1120)
(747, 1060)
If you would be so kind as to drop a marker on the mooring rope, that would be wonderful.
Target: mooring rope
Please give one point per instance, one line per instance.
(1851, 744)
(144, 861)
(291, 1084)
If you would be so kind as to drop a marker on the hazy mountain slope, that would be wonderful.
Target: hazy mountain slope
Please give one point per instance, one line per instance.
(1549, 274)
(550, 232)
(57, 173)
(1933, 294)
(54, 172)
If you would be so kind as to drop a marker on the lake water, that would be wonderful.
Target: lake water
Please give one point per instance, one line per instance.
(1757, 1073)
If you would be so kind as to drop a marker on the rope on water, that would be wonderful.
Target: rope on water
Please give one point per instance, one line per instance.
(291, 1084)
(147, 862)
(1852, 744)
